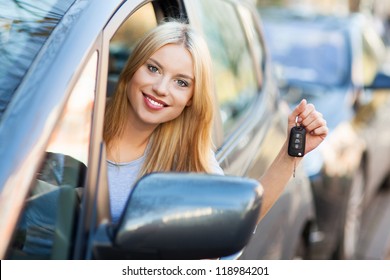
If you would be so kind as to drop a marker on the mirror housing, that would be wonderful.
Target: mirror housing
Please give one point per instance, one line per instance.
(184, 216)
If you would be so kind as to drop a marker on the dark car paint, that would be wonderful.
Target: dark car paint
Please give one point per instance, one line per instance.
(248, 152)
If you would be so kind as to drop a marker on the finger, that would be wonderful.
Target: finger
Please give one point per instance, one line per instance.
(309, 109)
(297, 111)
(316, 123)
(320, 131)
(312, 117)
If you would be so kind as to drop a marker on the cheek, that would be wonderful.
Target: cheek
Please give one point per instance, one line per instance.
(187, 98)
(184, 101)
(137, 80)
(131, 88)
(177, 112)
(189, 102)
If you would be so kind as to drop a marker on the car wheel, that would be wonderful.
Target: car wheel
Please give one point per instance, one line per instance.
(386, 183)
(353, 215)
(302, 249)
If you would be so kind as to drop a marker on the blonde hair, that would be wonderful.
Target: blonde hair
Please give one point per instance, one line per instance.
(184, 143)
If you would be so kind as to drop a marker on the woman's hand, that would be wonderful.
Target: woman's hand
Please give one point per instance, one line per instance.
(276, 177)
(312, 121)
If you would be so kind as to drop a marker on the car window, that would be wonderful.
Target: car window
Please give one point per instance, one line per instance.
(124, 40)
(45, 228)
(236, 83)
(24, 28)
(256, 46)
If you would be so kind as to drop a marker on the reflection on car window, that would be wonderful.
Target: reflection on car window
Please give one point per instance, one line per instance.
(24, 28)
(45, 229)
(257, 47)
(236, 83)
(125, 39)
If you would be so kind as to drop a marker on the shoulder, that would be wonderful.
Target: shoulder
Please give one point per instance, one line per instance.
(214, 165)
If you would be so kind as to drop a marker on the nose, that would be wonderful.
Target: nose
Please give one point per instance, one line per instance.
(161, 86)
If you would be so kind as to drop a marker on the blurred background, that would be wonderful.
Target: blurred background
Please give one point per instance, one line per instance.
(378, 10)
(333, 53)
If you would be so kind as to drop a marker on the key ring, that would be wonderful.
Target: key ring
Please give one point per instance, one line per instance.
(296, 121)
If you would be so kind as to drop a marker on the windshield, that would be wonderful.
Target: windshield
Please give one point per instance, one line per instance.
(309, 54)
(24, 27)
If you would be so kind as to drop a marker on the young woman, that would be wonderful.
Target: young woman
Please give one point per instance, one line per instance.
(160, 118)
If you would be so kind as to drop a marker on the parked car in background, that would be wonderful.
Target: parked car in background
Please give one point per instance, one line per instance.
(335, 62)
(58, 67)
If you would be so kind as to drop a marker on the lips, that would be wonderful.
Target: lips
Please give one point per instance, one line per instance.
(154, 103)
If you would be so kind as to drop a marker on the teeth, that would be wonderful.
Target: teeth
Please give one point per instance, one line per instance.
(155, 103)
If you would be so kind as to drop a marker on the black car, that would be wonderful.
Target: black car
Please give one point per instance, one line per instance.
(59, 60)
(336, 63)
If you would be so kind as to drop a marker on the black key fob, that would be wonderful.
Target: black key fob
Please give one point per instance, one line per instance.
(296, 143)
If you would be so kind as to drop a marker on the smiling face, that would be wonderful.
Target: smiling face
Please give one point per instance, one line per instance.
(162, 87)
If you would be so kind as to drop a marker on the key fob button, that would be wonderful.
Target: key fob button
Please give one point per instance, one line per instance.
(296, 147)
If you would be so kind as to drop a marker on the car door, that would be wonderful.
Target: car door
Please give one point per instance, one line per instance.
(71, 176)
(48, 221)
(50, 142)
(253, 121)
(68, 197)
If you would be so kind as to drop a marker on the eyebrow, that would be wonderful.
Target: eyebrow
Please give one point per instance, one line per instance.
(179, 75)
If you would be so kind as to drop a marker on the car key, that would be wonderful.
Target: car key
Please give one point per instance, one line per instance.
(297, 140)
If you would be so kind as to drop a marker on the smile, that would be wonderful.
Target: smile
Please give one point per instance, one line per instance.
(152, 103)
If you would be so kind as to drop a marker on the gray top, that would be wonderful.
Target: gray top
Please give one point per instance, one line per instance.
(122, 177)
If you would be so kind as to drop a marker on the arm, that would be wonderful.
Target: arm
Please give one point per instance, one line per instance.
(279, 173)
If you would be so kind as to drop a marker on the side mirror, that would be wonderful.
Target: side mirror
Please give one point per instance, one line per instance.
(184, 216)
(381, 81)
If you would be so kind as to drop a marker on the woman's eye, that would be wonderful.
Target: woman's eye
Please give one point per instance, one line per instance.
(152, 68)
(182, 83)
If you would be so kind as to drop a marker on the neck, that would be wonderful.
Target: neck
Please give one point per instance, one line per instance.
(131, 144)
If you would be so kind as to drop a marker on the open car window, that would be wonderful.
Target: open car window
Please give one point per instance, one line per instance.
(125, 39)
